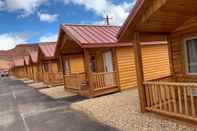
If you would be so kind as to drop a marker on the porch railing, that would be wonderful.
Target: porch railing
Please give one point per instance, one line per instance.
(103, 80)
(75, 81)
(172, 98)
(40, 76)
(46, 78)
(56, 77)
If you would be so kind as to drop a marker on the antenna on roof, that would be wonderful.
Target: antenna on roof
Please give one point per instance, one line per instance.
(107, 19)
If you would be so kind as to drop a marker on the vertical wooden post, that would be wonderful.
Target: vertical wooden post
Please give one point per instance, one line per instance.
(88, 71)
(62, 61)
(139, 71)
(32, 70)
(170, 56)
(115, 65)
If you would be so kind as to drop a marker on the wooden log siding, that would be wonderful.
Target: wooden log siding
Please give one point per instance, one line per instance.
(35, 72)
(156, 64)
(76, 64)
(19, 72)
(188, 30)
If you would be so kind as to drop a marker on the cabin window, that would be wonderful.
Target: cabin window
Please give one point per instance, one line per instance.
(46, 67)
(93, 63)
(67, 65)
(108, 61)
(191, 52)
(59, 66)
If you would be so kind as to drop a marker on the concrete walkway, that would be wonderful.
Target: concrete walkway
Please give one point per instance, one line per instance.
(23, 108)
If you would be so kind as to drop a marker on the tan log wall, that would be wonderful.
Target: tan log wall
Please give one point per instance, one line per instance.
(155, 60)
(188, 30)
(76, 64)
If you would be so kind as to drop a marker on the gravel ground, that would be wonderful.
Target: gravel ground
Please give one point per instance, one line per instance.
(121, 110)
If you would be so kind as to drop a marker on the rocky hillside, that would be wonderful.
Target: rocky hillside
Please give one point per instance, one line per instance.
(18, 51)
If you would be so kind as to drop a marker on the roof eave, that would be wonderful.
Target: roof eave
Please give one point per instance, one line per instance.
(134, 12)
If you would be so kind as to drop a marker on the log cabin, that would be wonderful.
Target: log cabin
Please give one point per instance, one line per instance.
(18, 69)
(174, 96)
(34, 67)
(94, 63)
(28, 70)
(52, 73)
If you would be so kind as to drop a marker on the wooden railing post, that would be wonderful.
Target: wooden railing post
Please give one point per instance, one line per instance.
(88, 71)
(62, 62)
(115, 64)
(139, 71)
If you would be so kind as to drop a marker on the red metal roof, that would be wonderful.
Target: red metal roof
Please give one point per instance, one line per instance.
(48, 49)
(34, 56)
(18, 62)
(92, 35)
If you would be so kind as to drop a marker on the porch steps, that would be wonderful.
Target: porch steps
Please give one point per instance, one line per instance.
(105, 91)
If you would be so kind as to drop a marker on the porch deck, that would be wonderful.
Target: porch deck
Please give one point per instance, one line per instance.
(53, 78)
(172, 98)
(99, 83)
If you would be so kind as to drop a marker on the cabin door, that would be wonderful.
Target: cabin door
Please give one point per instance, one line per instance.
(108, 68)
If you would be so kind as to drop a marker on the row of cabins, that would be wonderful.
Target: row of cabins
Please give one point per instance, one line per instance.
(90, 61)
(155, 49)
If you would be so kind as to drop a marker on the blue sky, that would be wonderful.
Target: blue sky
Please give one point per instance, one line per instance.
(30, 21)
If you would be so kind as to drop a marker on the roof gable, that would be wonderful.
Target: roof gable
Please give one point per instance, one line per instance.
(19, 62)
(86, 35)
(157, 16)
(33, 56)
(48, 49)
(26, 58)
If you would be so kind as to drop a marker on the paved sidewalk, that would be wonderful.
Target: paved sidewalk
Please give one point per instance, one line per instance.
(23, 108)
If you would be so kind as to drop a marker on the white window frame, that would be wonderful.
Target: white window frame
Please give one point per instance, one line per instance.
(186, 55)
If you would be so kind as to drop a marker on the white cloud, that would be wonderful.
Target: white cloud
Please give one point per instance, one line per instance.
(118, 12)
(26, 7)
(9, 40)
(49, 38)
(47, 17)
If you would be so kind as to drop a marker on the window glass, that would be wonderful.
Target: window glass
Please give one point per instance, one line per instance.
(46, 67)
(66, 66)
(191, 46)
(108, 61)
(93, 63)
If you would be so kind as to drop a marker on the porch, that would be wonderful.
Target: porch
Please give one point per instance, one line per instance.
(53, 78)
(174, 96)
(40, 76)
(99, 83)
(170, 97)
(96, 72)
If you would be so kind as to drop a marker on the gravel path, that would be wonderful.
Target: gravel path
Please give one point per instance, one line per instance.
(121, 110)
